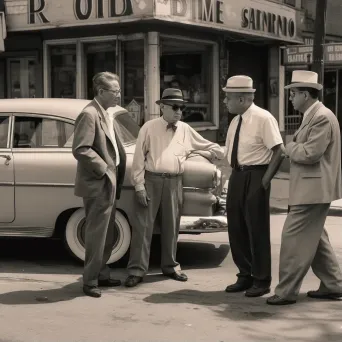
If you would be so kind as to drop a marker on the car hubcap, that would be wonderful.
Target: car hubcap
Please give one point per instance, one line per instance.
(81, 234)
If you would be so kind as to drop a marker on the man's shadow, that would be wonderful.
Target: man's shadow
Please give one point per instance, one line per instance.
(65, 293)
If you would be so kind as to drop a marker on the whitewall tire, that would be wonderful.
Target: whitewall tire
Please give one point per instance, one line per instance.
(74, 236)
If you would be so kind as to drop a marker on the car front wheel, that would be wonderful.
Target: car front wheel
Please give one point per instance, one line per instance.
(75, 236)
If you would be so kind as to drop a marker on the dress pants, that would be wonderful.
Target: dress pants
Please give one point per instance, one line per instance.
(248, 215)
(166, 196)
(99, 238)
(305, 243)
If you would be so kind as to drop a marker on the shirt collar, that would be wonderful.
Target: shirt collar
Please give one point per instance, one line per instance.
(166, 123)
(309, 109)
(246, 115)
(102, 109)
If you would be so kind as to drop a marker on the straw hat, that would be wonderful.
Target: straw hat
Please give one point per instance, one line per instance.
(239, 84)
(304, 79)
(172, 96)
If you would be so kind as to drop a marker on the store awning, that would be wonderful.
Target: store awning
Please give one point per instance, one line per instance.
(3, 30)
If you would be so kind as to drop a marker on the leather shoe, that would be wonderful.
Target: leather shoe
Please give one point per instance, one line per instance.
(239, 286)
(132, 281)
(92, 291)
(276, 300)
(256, 291)
(109, 282)
(179, 276)
(325, 295)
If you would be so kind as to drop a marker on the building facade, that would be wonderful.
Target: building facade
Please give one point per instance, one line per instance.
(300, 57)
(53, 48)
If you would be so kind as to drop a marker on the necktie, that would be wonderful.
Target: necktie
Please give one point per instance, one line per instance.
(172, 126)
(233, 160)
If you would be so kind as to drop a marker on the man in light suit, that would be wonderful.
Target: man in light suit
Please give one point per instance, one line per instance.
(100, 173)
(315, 181)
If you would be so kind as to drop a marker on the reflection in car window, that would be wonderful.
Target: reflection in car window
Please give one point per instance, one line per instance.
(4, 120)
(126, 127)
(34, 132)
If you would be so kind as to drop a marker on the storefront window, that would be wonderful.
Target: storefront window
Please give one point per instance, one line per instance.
(132, 82)
(187, 65)
(329, 90)
(63, 71)
(99, 57)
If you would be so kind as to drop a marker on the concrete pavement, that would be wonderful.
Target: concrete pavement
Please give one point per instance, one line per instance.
(41, 299)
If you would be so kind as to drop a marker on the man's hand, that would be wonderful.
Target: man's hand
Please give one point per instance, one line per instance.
(206, 154)
(142, 197)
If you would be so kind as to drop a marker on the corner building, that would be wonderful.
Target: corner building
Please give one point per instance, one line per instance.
(53, 48)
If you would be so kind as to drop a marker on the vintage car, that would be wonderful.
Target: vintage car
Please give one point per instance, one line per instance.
(37, 173)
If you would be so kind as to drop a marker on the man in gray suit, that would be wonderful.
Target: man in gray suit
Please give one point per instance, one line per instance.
(100, 173)
(315, 181)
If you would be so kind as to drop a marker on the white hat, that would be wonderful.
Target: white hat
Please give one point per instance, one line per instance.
(239, 84)
(304, 79)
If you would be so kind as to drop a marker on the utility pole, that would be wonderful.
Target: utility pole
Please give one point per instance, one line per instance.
(319, 38)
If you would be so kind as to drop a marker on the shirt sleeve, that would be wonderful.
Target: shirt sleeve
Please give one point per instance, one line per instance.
(271, 133)
(198, 143)
(138, 165)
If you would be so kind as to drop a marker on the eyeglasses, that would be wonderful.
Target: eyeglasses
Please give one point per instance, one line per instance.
(115, 92)
(177, 107)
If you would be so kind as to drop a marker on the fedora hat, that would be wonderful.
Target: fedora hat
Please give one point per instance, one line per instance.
(171, 96)
(239, 84)
(304, 79)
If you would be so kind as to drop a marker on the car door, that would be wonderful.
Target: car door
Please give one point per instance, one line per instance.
(45, 170)
(7, 212)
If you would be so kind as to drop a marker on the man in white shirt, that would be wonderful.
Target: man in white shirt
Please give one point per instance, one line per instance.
(253, 141)
(162, 147)
(101, 165)
(315, 181)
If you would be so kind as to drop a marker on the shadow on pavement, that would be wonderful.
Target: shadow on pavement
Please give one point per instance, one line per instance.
(65, 293)
(293, 319)
(47, 256)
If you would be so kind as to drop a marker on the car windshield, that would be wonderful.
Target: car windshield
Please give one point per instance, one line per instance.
(126, 127)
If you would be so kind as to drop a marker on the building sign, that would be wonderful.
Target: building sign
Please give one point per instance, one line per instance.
(303, 54)
(39, 14)
(260, 18)
(254, 17)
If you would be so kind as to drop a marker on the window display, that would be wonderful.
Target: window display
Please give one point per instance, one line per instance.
(133, 79)
(63, 71)
(99, 57)
(186, 65)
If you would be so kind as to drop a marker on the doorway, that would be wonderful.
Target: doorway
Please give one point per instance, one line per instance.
(21, 80)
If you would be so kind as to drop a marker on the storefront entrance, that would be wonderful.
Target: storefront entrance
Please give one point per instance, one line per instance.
(21, 77)
(71, 64)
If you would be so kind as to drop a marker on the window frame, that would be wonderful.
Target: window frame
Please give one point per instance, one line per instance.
(9, 131)
(80, 59)
(39, 116)
(214, 71)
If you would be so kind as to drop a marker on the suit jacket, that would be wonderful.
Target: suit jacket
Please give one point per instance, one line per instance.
(315, 159)
(94, 150)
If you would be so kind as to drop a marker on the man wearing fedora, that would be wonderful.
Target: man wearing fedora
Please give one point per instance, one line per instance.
(315, 181)
(162, 147)
(252, 145)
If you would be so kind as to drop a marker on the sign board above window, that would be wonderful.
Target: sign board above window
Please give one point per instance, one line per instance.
(303, 54)
(259, 18)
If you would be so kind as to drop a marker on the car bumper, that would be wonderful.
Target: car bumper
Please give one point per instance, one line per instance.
(208, 224)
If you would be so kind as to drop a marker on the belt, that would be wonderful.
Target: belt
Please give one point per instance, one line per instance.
(163, 174)
(250, 167)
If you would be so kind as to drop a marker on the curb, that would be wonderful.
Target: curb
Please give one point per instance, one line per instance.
(333, 211)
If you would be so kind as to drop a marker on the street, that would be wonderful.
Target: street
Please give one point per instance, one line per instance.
(41, 298)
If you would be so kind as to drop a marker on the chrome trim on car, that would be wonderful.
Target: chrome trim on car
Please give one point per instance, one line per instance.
(61, 185)
(42, 232)
(6, 183)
